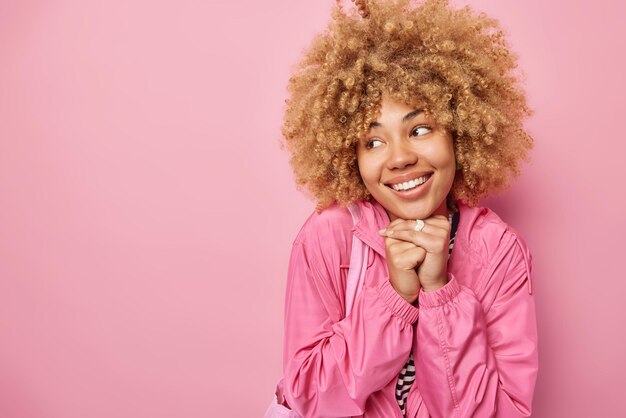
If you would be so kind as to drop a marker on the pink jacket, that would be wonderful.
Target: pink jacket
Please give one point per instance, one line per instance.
(474, 345)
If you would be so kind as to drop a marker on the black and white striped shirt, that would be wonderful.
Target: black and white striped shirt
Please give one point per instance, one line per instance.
(407, 374)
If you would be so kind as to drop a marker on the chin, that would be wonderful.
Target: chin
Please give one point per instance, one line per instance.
(410, 213)
(414, 210)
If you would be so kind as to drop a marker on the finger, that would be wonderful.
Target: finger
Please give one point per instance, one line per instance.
(395, 248)
(432, 222)
(437, 229)
(406, 256)
(433, 243)
(434, 227)
(400, 224)
(417, 254)
(439, 221)
(399, 246)
(392, 242)
(395, 222)
(392, 224)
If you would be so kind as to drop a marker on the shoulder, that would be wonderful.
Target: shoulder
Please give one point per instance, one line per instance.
(497, 245)
(490, 237)
(327, 233)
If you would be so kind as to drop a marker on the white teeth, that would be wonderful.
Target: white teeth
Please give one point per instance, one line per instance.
(410, 184)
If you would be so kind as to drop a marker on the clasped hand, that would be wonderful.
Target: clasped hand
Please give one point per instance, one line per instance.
(417, 259)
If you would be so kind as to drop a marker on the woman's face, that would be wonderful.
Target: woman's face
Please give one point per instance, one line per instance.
(407, 162)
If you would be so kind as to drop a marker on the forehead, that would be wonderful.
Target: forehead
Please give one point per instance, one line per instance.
(392, 112)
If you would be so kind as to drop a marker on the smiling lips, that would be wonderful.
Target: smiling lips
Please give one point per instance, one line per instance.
(408, 181)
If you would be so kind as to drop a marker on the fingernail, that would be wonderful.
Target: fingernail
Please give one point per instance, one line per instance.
(382, 231)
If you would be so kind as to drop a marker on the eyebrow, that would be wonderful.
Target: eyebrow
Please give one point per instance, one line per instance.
(406, 117)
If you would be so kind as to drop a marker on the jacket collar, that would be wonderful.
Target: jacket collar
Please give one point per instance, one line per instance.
(373, 218)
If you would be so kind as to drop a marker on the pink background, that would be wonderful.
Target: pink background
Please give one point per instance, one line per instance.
(147, 211)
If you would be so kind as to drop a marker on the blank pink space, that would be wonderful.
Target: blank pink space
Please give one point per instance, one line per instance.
(147, 211)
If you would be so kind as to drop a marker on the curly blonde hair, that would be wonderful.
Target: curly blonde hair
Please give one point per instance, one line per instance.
(453, 63)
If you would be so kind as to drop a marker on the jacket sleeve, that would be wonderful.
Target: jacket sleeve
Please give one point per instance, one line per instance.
(472, 363)
(332, 366)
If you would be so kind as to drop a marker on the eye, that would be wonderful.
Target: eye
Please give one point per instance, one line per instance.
(371, 143)
(420, 130)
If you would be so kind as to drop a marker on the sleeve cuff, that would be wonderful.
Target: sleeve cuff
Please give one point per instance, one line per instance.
(440, 296)
(396, 303)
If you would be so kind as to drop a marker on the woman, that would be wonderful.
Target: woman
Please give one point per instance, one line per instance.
(412, 113)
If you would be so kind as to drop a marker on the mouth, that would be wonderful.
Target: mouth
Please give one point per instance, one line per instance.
(410, 184)
(412, 188)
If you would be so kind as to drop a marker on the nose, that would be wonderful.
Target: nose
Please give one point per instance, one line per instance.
(401, 155)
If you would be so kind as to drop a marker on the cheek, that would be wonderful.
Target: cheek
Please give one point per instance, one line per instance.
(365, 169)
(447, 162)
(443, 156)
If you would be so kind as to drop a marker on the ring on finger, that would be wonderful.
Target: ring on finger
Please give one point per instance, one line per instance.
(419, 225)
